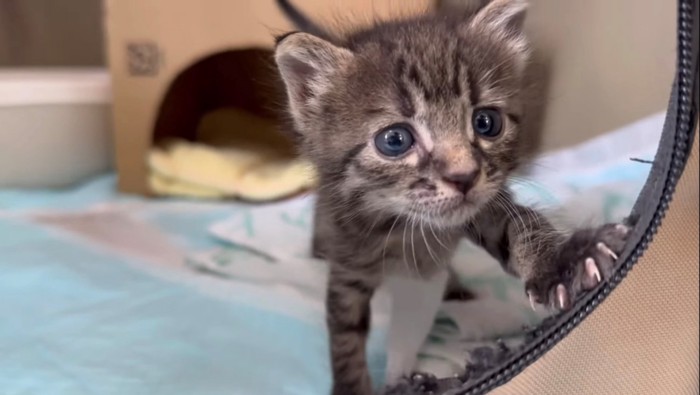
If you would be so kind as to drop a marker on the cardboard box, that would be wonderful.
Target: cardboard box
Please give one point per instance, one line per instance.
(605, 66)
(173, 61)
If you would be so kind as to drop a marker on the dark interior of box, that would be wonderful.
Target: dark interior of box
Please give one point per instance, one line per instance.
(223, 98)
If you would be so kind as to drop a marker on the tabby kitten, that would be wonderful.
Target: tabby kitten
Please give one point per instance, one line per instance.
(414, 126)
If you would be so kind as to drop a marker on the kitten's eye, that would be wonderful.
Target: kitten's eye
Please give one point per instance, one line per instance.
(394, 140)
(487, 122)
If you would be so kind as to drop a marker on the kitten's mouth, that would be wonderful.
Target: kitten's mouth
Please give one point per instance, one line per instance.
(459, 206)
(449, 211)
(454, 212)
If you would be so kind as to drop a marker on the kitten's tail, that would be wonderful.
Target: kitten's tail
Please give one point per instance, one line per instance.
(301, 21)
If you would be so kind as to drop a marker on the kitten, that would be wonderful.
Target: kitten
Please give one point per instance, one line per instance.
(414, 127)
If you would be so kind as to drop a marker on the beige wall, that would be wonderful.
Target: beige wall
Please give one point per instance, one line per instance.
(612, 63)
(612, 60)
(51, 33)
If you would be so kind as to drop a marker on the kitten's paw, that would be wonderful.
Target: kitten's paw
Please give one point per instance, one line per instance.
(416, 383)
(584, 260)
(423, 382)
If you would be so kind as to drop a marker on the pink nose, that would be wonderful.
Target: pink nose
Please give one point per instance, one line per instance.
(463, 181)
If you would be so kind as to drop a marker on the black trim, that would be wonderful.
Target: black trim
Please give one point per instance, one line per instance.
(648, 212)
(300, 20)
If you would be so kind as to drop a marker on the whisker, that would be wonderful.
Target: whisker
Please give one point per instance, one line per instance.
(386, 242)
(508, 205)
(413, 245)
(371, 228)
(430, 225)
(427, 246)
(403, 247)
(501, 205)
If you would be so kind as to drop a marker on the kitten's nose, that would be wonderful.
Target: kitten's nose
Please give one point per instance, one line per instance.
(463, 182)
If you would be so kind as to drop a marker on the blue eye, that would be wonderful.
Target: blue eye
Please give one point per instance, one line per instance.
(487, 122)
(394, 140)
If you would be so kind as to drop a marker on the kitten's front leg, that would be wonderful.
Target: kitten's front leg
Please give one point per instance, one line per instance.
(348, 318)
(556, 268)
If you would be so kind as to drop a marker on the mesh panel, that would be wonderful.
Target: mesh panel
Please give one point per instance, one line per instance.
(644, 338)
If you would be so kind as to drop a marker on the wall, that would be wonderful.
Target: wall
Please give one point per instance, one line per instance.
(51, 33)
(612, 60)
(612, 63)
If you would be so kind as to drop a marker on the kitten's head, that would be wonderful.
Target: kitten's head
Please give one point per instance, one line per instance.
(416, 118)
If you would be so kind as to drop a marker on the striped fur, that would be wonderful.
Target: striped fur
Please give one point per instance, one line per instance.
(377, 216)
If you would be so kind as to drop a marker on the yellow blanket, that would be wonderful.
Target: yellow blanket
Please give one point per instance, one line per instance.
(250, 163)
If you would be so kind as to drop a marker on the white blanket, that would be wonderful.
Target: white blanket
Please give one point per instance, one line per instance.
(592, 183)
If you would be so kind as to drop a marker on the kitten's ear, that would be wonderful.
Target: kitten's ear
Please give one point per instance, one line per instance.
(503, 16)
(307, 65)
(503, 21)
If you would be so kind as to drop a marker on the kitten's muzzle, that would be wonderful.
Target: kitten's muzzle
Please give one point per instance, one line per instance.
(463, 182)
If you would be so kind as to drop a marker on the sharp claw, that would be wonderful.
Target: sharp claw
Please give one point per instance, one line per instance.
(561, 296)
(592, 269)
(606, 250)
(532, 300)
